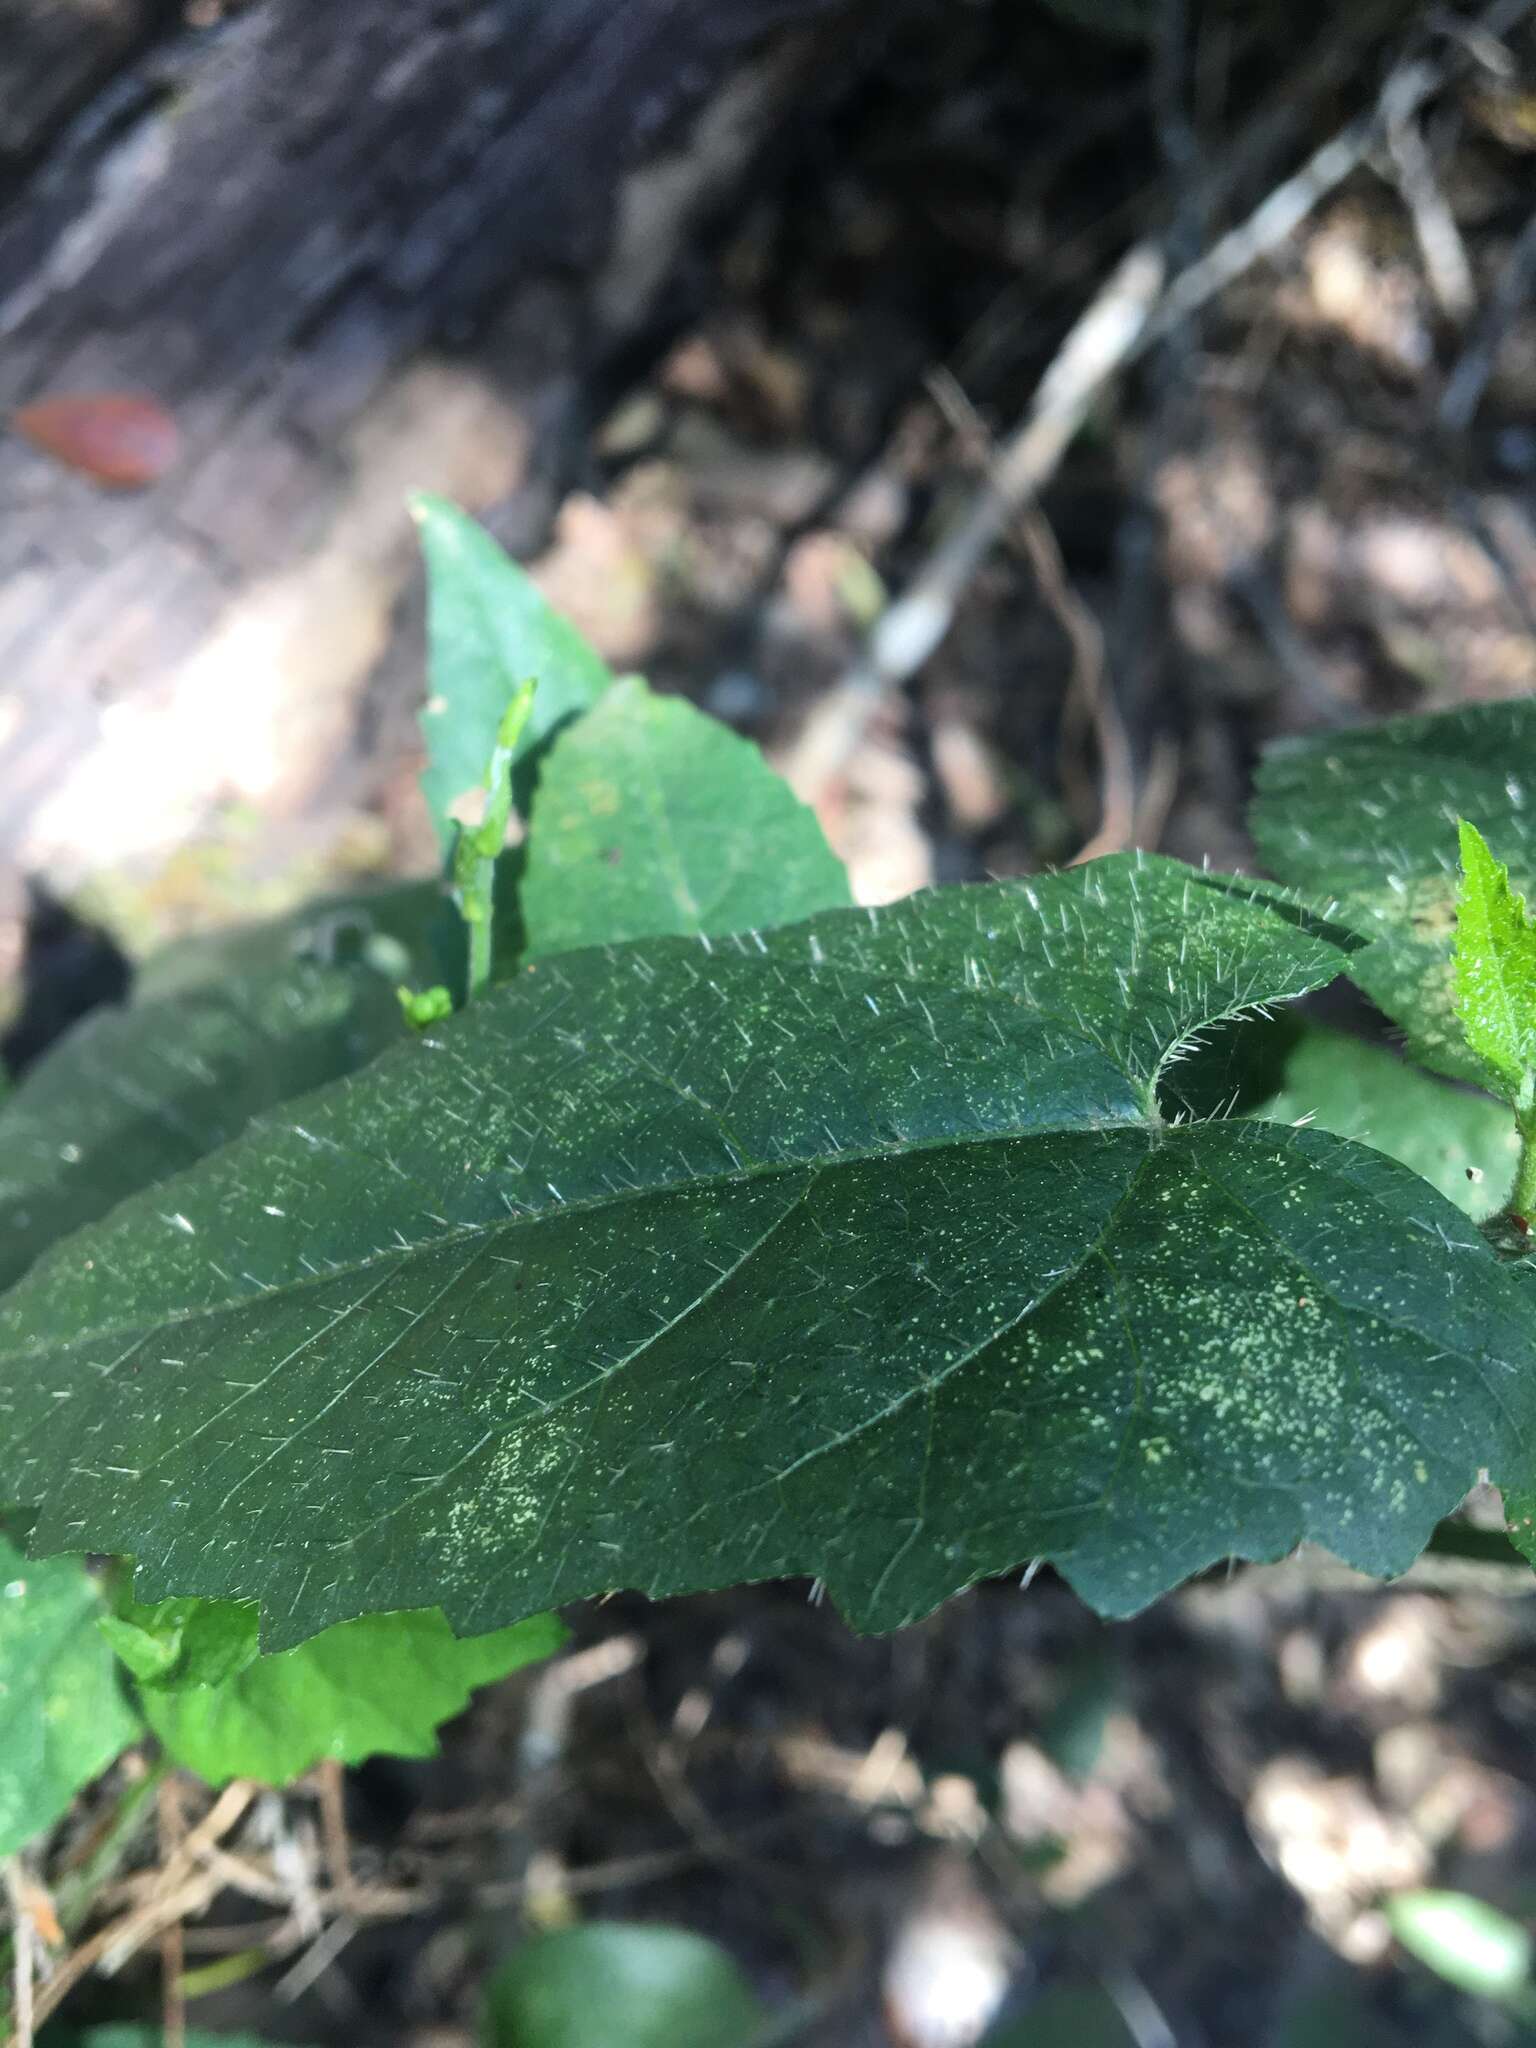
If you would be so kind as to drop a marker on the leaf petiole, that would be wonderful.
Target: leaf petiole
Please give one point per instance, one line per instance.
(473, 872)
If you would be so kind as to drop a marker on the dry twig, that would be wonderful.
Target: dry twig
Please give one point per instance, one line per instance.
(1132, 311)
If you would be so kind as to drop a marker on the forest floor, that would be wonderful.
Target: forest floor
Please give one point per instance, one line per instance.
(1310, 506)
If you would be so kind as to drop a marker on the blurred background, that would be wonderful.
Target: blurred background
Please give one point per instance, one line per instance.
(1014, 414)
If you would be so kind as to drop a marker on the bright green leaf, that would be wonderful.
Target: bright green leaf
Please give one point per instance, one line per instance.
(381, 1685)
(488, 630)
(179, 1643)
(605, 1984)
(1496, 970)
(847, 1248)
(63, 1715)
(1369, 818)
(1365, 1092)
(134, 1095)
(1469, 1944)
(651, 818)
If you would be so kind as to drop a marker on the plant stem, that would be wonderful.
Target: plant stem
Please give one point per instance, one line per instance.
(1522, 1200)
(75, 1894)
(474, 857)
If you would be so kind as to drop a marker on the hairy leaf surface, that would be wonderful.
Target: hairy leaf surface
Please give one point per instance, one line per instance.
(489, 628)
(852, 1248)
(1370, 818)
(63, 1714)
(134, 1095)
(382, 1685)
(651, 818)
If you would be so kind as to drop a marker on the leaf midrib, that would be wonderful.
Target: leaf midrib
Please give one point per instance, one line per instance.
(578, 1206)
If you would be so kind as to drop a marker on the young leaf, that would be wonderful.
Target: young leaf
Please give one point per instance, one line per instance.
(1463, 1144)
(63, 1716)
(1496, 971)
(852, 1248)
(179, 1643)
(1467, 1942)
(607, 1983)
(1370, 818)
(134, 1095)
(478, 848)
(381, 1685)
(488, 630)
(651, 818)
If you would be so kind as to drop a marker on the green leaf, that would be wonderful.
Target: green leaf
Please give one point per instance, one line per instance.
(1444, 1133)
(1469, 1944)
(405, 928)
(1520, 1518)
(1065, 2016)
(1369, 818)
(134, 1095)
(63, 1716)
(851, 1248)
(488, 630)
(606, 1983)
(381, 1685)
(652, 818)
(1496, 971)
(178, 1643)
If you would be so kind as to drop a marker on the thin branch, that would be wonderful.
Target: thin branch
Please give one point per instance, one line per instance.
(1131, 312)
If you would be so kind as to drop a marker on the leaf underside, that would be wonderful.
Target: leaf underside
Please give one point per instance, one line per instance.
(1462, 1143)
(1369, 818)
(850, 1249)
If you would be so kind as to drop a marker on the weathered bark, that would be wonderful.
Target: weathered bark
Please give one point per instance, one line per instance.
(356, 247)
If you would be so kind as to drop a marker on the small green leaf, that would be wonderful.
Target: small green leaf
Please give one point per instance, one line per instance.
(488, 629)
(652, 818)
(608, 1983)
(1368, 819)
(381, 1685)
(134, 1095)
(1469, 1944)
(178, 1643)
(1463, 1144)
(424, 1006)
(1496, 971)
(63, 1716)
(1065, 2016)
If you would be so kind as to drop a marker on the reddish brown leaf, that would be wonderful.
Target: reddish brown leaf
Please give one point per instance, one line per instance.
(120, 439)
